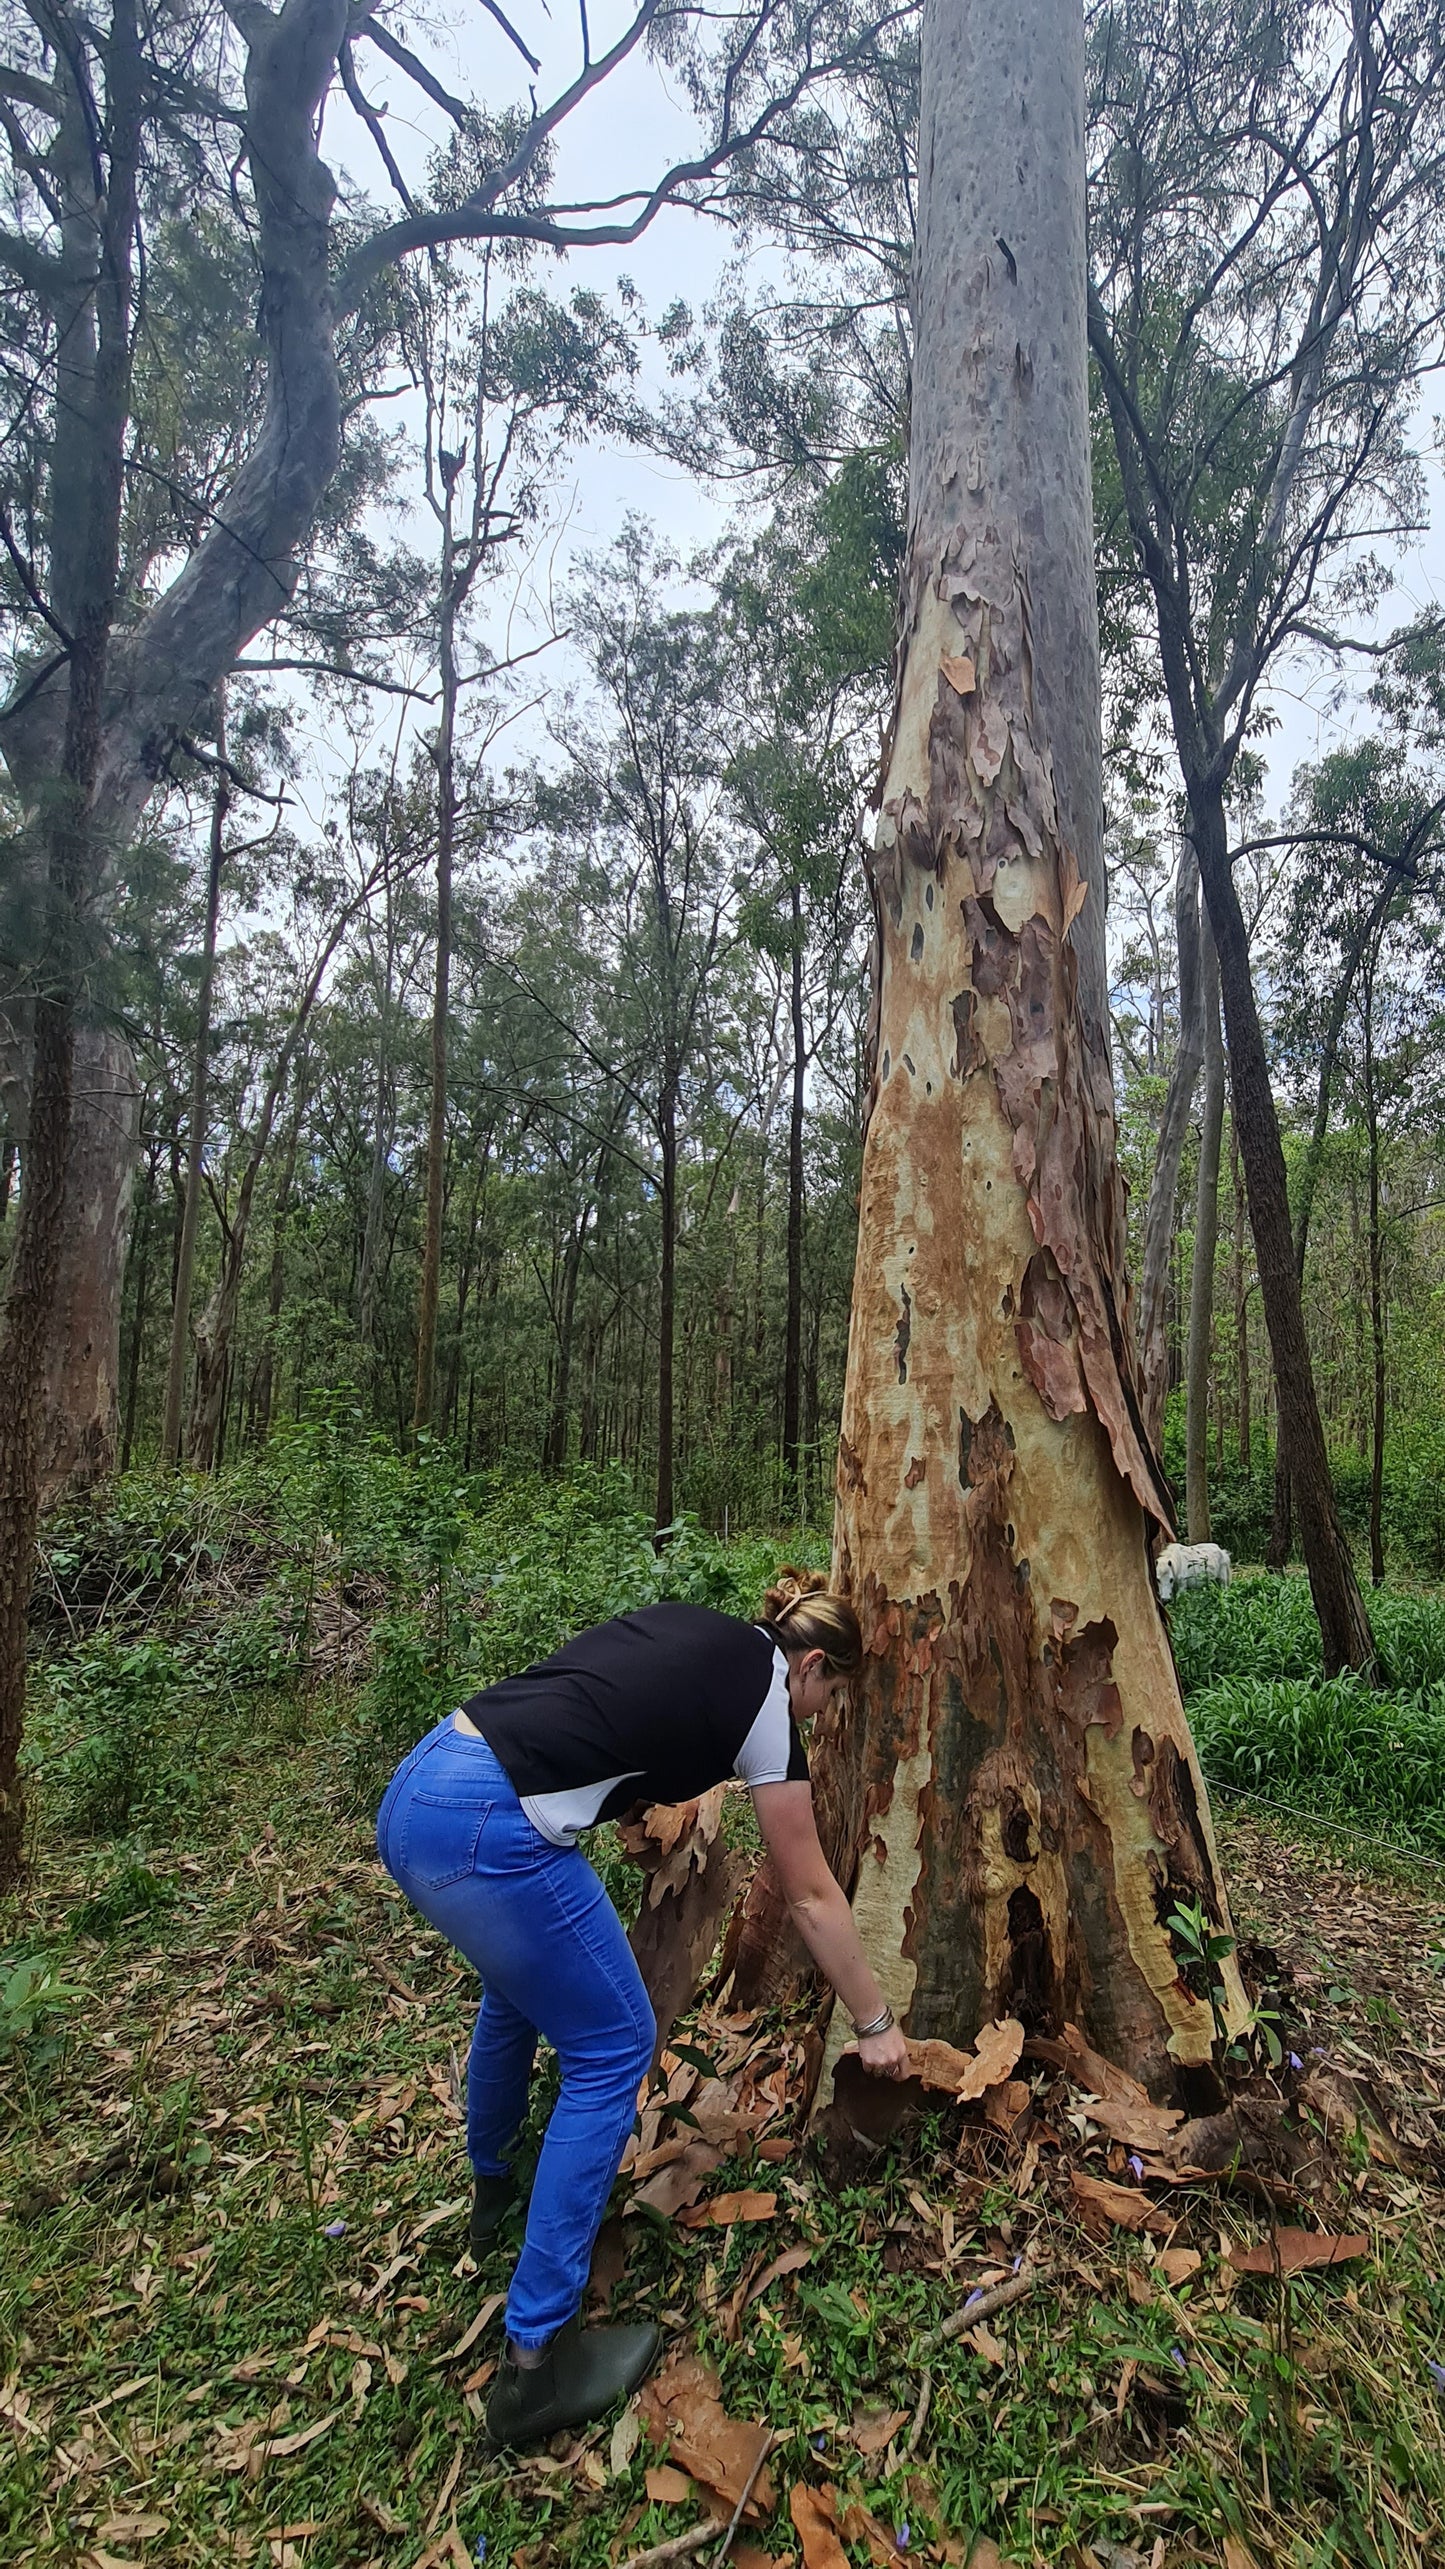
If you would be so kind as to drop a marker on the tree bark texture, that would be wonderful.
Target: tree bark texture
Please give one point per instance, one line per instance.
(1023, 1808)
(1206, 1242)
(1344, 1625)
(1173, 1129)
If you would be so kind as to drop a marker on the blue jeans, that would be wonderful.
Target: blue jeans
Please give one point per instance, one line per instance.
(535, 1922)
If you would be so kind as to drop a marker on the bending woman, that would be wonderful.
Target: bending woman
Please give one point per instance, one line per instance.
(479, 1827)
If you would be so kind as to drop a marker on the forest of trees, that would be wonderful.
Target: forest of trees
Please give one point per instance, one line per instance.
(722, 836)
(440, 976)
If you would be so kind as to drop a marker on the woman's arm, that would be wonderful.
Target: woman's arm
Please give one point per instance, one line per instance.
(823, 1918)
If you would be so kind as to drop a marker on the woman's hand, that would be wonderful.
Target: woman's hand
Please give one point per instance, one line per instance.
(884, 2055)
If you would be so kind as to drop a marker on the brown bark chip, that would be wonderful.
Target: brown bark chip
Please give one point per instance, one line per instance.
(681, 2409)
(1290, 2251)
(968, 2074)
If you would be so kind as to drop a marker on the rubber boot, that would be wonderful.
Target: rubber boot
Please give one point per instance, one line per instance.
(492, 2200)
(582, 2374)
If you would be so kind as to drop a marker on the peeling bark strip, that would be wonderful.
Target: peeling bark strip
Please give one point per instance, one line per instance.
(1018, 1796)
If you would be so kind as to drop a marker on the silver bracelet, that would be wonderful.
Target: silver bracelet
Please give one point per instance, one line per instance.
(881, 2025)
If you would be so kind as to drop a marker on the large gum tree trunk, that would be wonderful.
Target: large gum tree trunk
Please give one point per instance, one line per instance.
(1024, 1807)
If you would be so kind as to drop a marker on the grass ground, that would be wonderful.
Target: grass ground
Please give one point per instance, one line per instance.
(237, 2323)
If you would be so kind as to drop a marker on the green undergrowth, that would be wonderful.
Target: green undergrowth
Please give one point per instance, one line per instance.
(179, 1620)
(222, 2035)
(233, 2187)
(1267, 1721)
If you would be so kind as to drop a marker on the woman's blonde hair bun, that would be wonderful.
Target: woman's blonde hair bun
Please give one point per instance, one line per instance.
(806, 1615)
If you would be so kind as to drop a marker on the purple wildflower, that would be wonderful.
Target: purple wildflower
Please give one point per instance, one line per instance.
(820, 2443)
(975, 2296)
(1176, 2356)
(333, 2229)
(1295, 2062)
(1137, 2164)
(901, 2537)
(1436, 2373)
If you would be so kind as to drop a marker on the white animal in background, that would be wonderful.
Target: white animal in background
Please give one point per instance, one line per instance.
(1190, 1565)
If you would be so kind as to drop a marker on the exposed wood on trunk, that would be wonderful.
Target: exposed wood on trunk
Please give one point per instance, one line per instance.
(1022, 1806)
(1206, 1241)
(692, 1880)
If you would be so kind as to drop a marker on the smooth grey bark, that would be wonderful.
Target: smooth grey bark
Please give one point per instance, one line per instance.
(1206, 1242)
(1153, 1304)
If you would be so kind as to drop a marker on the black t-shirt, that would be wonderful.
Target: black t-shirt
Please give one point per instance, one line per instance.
(656, 1706)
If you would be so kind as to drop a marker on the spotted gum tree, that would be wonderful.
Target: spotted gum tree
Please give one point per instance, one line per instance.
(1014, 1792)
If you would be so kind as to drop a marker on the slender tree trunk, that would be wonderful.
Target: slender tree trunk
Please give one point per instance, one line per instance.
(196, 1137)
(1377, 1297)
(215, 1329)
(1280, 1531)
(423, 1404)
(1159, 1220)
(1358, 1406)
(554, 1444)
(381, 1129)
(1206, 1241)
(1013, 1794)
(793, 1325)
(144, 1229)
(1241, 1309)
(1344, 1625)
(667, 1300)
(723, 1338)
(276, 1293)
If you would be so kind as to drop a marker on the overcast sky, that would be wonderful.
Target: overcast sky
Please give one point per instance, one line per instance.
(624, 136)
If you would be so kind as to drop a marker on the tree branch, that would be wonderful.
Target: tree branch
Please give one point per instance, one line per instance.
(406, 61)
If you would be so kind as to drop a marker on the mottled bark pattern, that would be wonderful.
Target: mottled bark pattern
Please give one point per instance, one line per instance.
(1024, 1802)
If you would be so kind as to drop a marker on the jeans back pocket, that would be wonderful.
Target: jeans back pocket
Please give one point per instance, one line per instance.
(440, 1833)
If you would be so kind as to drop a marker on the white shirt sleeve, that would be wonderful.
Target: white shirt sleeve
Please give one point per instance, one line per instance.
(772, 1752)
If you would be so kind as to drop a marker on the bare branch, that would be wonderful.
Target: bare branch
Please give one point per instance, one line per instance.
(406, 61)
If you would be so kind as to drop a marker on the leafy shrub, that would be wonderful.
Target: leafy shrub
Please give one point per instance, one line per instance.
(35, 2001)
(1335, 1746)
(1259, 1626)
(132, 1891)
(1409, 1637)
(109, 1712)
(1241, 1508)
(1264, 1626)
